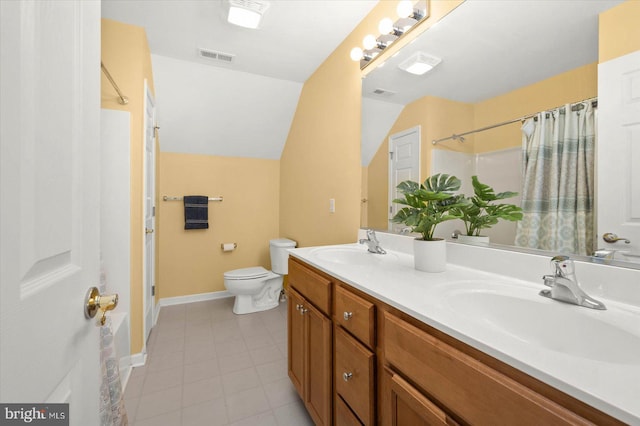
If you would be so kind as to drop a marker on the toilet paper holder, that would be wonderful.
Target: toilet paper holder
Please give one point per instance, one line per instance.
(228, 246)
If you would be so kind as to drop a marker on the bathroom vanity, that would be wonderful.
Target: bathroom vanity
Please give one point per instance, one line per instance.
(373, 341)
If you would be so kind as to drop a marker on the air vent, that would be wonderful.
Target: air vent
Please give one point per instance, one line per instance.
(253, 5)
(216, 56)
(383, 92)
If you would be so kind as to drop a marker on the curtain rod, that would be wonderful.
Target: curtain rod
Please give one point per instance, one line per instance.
(123, 99)
(594, 103)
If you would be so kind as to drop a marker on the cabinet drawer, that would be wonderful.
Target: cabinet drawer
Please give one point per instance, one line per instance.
(314, 287)
(354, 375)
(475, 392)
(409, 407)
(344, 415)
(356, 315)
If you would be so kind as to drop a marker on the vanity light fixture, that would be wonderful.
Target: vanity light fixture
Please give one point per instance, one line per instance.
(419, 63)
(410, 14)
(247, 13)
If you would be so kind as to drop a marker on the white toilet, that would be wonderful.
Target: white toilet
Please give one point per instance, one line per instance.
(257, 289)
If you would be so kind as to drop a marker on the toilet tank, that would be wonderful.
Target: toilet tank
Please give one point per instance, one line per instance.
(280, 255)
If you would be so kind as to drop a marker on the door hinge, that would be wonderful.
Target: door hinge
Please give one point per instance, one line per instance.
(153, 211)
(390, 209)
(391, 155)
(153, 290)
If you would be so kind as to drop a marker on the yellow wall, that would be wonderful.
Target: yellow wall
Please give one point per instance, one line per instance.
(321, 159)
(619, 30)
(126, 55)
(191, 261)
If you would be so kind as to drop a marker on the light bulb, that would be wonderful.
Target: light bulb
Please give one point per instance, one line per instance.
(356, 54)
(385, 26)
(405, 8)
(369, 42)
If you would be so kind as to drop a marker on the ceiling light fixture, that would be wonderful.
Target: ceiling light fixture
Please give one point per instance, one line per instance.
(419, 63)
(410, 12)
(247, 13)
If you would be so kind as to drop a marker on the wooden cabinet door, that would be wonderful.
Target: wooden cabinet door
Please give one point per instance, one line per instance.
(296, 341)
(319, 392)
(409, 407)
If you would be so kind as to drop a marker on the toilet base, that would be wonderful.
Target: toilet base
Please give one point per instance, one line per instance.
(267, 298)
(244, 304)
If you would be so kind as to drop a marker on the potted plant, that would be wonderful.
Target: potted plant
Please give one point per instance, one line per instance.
(427, 205)
(482, 212)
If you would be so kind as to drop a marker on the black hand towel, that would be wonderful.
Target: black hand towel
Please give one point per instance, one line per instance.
(196, 212)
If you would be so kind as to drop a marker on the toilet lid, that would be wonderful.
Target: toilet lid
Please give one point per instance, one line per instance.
(246, 273)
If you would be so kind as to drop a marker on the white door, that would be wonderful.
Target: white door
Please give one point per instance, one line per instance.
(49, 210)
(149, 210)
(618, 161)
(404, 164)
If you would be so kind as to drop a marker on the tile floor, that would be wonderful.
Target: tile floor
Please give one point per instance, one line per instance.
(208, 366)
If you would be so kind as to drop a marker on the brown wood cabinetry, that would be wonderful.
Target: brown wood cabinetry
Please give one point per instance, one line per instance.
(310, 333)
(403, 372)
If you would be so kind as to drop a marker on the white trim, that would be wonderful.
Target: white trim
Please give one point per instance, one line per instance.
(191, 298)
(139, 359)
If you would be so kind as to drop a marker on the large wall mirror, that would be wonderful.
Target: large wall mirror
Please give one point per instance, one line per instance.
(502, 61)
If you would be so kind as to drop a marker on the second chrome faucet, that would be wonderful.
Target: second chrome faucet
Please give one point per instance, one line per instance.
(565, 287)
(372, 242)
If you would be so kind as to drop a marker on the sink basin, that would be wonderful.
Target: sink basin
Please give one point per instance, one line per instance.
(518, 311)
(351, 255)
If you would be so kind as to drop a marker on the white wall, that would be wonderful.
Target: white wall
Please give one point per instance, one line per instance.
(115, 216)
(216, 111)
(498, 169)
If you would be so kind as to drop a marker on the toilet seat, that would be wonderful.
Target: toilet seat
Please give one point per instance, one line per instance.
(246, 273)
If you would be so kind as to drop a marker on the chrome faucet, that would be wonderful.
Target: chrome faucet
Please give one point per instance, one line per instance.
(565, 287)
(372, 242)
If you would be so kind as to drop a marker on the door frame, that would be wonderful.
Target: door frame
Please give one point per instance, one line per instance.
(148, 262)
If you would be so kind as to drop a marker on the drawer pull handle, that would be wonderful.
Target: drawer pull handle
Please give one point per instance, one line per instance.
(347, 315)
(347, 376)
(303, 310)
(298, 307)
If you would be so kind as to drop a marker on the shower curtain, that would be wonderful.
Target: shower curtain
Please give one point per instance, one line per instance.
(558, 180)
(112, 410)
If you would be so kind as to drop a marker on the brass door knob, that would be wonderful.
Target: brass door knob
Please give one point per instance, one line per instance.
(94, 301)
(148, 230)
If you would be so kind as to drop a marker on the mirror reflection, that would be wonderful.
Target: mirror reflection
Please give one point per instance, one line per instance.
(513, 101)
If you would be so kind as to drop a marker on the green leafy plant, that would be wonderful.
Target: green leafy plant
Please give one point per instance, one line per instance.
(481, 211)
(429, 204)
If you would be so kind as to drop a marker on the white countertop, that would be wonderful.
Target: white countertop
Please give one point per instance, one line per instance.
(602, 372)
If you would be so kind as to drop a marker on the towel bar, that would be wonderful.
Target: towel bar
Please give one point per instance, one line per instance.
(170, 198)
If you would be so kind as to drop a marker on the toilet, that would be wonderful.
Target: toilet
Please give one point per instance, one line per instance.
(255, 288)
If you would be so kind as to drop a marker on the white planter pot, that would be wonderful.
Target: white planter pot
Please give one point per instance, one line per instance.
(430, 256)
(477, 240)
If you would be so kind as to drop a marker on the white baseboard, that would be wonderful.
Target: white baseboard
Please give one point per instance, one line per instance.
(191, 298)
(139, 359)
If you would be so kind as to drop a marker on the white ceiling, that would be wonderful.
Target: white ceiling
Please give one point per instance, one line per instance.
(295, 37)
(242, 109)
(491, 47)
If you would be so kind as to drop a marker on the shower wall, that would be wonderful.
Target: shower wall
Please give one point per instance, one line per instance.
(499, 169)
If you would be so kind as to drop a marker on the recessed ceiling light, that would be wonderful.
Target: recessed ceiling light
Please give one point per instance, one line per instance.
(246, 13)
(419, 63)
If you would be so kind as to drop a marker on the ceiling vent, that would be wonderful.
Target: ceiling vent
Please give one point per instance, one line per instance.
(383, 92)
(216, 56)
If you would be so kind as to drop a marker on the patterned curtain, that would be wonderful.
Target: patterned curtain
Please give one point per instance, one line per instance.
(558, 189)
(112, 409)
